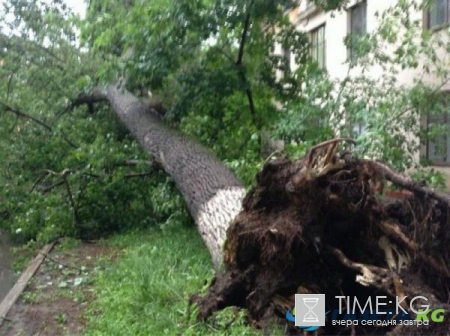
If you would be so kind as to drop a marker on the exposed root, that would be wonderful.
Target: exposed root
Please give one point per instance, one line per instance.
(408, 184)
(322, 225)
(394, 231)
(370, 275)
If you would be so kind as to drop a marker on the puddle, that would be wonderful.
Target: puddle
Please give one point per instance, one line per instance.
(7, 276)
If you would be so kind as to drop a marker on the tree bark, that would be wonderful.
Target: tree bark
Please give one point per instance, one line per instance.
(212, 192)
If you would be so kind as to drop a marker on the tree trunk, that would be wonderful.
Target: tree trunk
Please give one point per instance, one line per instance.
(212, 192)
(312, 226)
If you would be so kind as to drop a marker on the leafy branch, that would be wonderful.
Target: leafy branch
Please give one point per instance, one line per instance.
(21, 114)
(242, 76)
(24, 115)
(245, 33)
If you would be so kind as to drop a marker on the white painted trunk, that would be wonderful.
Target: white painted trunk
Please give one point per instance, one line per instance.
(212, 192)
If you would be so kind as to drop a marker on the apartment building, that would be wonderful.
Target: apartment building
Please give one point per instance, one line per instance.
(328, 30)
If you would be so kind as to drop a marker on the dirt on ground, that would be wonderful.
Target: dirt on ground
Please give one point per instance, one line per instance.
(324, 224)
(56, 298)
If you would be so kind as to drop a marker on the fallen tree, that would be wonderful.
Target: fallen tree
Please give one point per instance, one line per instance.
(323, 225)
(317, 225)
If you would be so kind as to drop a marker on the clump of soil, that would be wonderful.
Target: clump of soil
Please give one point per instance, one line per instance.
(323, 225)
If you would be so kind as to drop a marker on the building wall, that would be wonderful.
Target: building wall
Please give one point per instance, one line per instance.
(306, 18)
(336, 29)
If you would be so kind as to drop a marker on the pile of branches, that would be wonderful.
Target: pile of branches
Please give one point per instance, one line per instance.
(325, 224)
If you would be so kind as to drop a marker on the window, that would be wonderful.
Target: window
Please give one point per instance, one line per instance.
(317, 37)
(357, 25)
(438, 14)
(438, 148)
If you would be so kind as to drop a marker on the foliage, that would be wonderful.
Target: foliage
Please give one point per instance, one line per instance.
(211, 62)
(431, 177)
(391, 114)
(66, 171)
(45, 69)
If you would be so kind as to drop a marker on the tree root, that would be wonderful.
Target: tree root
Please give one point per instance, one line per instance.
(320, 225)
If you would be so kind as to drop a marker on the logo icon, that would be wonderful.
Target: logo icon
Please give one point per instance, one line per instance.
(310, 316)
(291, 318)
(310, 310)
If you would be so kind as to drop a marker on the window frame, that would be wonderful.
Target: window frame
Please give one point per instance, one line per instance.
(427, 19)
(315, 45)
(285, 55)
(350, 32)
(446, 120)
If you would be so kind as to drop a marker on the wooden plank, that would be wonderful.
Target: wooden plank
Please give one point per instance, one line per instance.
(22, 283)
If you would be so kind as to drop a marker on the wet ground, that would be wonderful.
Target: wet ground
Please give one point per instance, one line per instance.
(57, 296)
(7, 276)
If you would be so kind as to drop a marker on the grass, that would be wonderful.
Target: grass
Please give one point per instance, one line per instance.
(146, 290)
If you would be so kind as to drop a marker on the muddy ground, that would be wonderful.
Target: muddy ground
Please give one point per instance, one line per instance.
(55, 300)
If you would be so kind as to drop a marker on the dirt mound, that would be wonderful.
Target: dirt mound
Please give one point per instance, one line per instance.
(324, 225)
